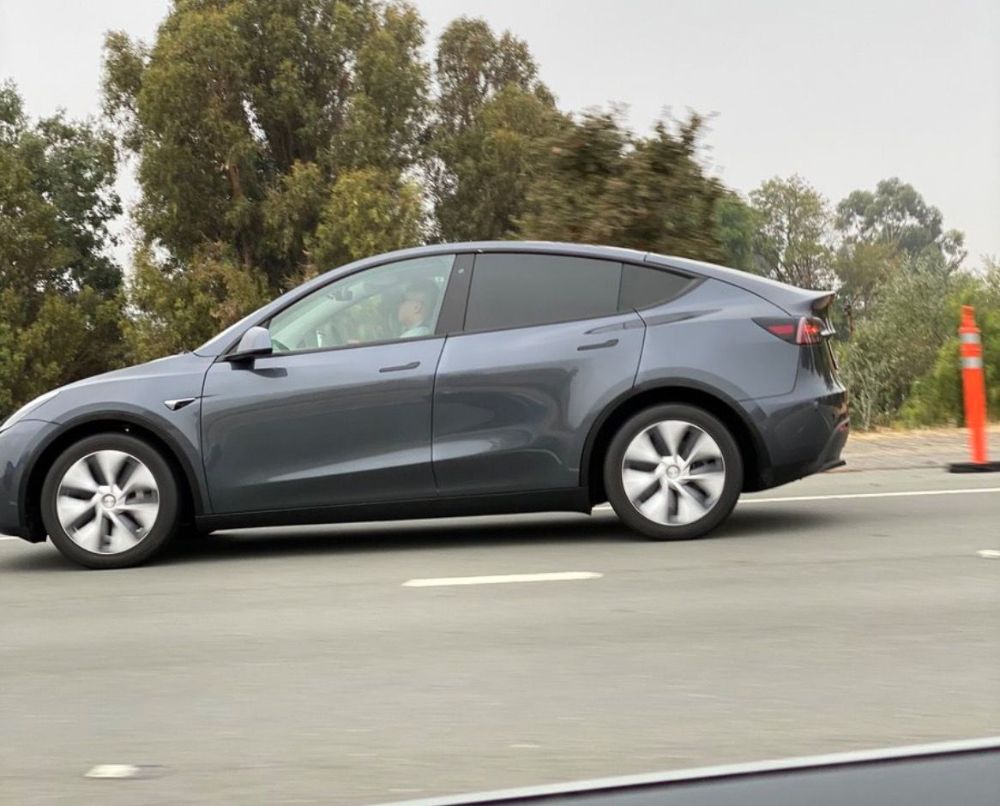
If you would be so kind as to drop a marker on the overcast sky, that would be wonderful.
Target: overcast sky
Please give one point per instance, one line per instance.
(844, 93)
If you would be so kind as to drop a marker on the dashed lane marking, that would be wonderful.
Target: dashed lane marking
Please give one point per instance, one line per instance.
(560, 576)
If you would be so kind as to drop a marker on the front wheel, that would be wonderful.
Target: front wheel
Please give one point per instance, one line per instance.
(673, 472)
(110, 501)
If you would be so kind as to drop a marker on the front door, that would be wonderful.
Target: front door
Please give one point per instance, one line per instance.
(341, 412)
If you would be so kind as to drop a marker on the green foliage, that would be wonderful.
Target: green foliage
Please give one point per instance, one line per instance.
(60, 300)
(897, 343)
(178, 308)
(896, 215)
(790, 241)
(491, 118)
(605, 185)
(243, 114)
(274, 140)
(937, 397)
(736, 225)
(863, 268)
(368, 212)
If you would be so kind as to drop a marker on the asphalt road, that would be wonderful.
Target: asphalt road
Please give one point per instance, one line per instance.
(294, 666)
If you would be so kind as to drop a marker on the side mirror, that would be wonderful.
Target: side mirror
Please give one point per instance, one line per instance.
(255, 343)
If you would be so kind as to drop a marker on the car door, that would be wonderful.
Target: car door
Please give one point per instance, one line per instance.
(340, 413)
(544, 350)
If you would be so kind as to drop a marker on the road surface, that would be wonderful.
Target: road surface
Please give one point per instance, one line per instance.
(298, 666)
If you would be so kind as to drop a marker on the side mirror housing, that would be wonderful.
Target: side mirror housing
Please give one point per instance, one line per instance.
(255, 343)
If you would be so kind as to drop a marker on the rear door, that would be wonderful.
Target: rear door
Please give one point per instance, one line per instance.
(544, 349)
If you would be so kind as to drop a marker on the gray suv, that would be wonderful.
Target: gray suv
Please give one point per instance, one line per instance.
(454, 379)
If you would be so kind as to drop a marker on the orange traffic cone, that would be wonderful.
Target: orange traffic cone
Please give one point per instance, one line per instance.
(974, 396)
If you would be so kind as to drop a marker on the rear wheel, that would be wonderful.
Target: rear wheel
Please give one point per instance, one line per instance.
(110, 501)
(673, 472)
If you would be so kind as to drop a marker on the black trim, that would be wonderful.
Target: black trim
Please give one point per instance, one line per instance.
(451, 319)
(572, 499)
(225, 358)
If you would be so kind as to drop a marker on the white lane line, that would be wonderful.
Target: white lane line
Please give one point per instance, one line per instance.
(560, 576)
(112, 771)
(898, 494)
(989, 554)
(841, 496)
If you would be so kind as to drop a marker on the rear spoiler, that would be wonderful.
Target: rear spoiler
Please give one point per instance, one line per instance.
(817, 302)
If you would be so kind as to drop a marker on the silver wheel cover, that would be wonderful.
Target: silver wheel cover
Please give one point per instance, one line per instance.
(673, 473)
(107, 502)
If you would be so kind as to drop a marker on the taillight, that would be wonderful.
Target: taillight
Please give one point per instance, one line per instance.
(799, 330)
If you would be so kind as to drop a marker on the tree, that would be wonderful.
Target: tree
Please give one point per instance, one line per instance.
(60, 300)
(243, 115)
(491, 116)
(791, 240)
(178, 309)
(604, 185)
(897, 216)
(898, 342)
(937, 395)
(863, 270)
(735, 227)
(367, 212)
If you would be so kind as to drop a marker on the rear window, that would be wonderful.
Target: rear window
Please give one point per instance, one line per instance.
(517, 290)
(643, 287)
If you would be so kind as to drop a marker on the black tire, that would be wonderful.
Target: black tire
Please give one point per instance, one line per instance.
(164, 526)
(615, 487)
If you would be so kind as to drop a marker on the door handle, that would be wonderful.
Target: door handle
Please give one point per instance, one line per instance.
(401, 367)
(599, 346)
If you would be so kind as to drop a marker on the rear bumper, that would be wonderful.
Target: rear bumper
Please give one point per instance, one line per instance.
(828, 459)
(803, 434)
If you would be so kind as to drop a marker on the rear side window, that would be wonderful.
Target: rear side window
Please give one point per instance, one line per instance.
(643, 287)
(517, 290)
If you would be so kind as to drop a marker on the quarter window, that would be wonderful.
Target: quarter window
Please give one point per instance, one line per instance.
(517, 290)
(642, 287)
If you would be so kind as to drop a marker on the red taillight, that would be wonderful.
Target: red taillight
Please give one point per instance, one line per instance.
(800, 330)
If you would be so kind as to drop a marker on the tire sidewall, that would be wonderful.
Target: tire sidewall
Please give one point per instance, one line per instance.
(166, 519)
(615, 489)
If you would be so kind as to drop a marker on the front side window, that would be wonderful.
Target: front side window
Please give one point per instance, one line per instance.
(518, 290)
(395, 301)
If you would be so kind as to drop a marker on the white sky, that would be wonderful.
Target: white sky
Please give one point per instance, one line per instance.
(844, 93)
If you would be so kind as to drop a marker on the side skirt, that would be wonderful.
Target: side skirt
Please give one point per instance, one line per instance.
(575, 499)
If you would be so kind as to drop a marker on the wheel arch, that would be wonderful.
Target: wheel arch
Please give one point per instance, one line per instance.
(751, 445)
(191, 498)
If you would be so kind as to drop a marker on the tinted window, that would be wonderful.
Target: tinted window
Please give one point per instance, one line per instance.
(642, 287)
(515, 290)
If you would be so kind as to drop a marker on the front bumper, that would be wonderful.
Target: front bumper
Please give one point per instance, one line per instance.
(19, 446)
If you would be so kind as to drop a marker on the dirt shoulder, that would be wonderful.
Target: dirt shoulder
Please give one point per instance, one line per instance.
(930, 447)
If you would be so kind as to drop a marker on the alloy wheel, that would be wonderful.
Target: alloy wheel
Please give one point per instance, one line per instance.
(673, 472)
(107, 502)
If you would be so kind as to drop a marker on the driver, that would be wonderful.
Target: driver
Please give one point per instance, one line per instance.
(415, 309)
